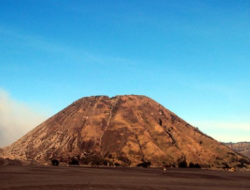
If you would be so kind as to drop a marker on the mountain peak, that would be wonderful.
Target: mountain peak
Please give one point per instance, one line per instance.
(126, 130)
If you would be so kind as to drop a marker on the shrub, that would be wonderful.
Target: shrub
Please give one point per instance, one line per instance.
(74, 161)
(125, 160)
(191, 165)
(244, 161)
(144, 164)
(54, 162)
(182, 164)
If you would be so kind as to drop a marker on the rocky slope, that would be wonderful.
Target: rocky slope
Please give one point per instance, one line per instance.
(123, 130)
(240, 147)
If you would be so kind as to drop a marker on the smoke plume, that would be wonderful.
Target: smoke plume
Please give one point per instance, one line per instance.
(16, 119)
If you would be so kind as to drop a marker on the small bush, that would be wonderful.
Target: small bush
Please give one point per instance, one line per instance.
(54, 162)
(191, 165)
(225, 166)
(144, 164)
(182, 164)
(160, 122)
(244, 161)
(117, 164)
(74, 161)
(125, 160)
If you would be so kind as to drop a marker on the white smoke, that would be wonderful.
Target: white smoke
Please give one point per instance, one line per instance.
(16, 119)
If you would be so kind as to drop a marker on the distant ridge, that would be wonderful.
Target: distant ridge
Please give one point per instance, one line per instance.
(125, 130)
(240, 147)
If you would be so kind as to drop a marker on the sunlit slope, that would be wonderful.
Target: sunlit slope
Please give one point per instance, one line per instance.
(126, 130)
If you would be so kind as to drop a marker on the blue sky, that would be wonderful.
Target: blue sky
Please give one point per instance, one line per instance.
(190, 56)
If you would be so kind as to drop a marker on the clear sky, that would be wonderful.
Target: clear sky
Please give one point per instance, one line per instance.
(193, 57)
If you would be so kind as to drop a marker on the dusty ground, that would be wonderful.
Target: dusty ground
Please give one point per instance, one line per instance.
(80, 178)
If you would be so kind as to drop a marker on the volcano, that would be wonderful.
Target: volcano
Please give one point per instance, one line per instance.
(125, 130)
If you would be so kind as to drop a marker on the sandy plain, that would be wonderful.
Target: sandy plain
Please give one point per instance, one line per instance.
(82, 178)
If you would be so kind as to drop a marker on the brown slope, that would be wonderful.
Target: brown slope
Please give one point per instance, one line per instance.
(123, 129)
